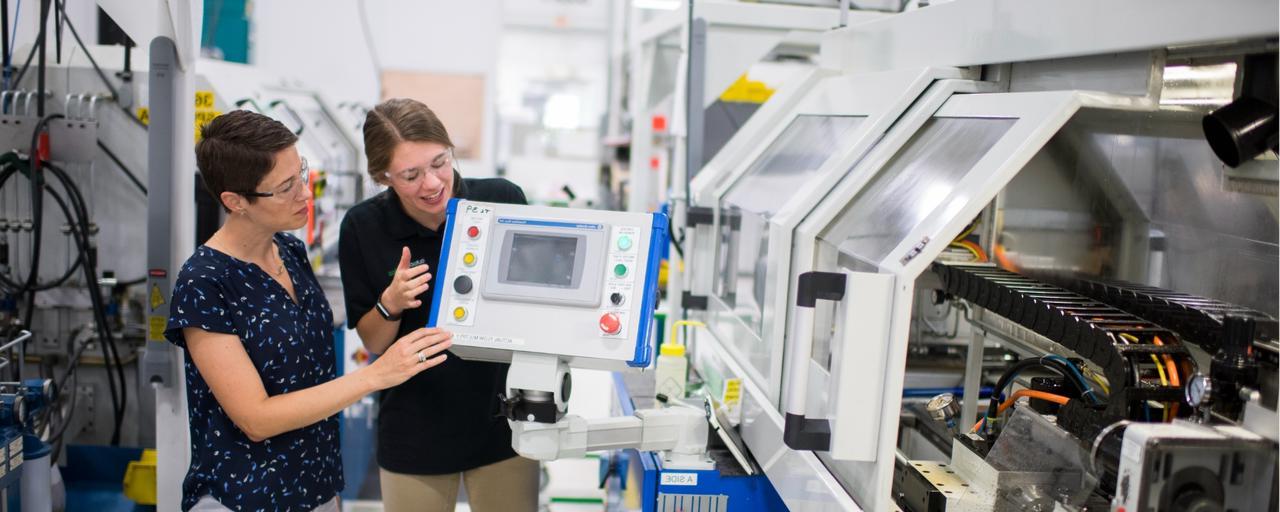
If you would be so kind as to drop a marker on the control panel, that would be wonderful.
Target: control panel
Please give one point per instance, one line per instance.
(581, 284)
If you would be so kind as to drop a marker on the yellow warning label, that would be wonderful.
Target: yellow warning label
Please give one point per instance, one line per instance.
(732, 392)
(204, 99)
(203, 117)
(157, 298)
(144, 115)
(155, 328)
(743, 90)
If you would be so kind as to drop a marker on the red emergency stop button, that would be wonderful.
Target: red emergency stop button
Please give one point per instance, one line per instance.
(610, 324)
(473, 232)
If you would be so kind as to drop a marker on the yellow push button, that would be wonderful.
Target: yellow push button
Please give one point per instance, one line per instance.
(459, 313)
(469, 259)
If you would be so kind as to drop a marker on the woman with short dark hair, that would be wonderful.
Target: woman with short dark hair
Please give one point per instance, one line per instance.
(442, 427)
(262, 390)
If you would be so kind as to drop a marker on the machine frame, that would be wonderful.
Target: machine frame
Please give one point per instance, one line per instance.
(820, 480)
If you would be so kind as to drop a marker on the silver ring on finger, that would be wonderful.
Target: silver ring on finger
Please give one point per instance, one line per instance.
(422, 357)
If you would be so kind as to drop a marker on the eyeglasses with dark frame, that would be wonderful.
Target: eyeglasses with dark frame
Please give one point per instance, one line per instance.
(291, 188)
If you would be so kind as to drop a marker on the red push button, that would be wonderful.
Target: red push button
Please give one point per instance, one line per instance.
(473, 232)
(610, 324)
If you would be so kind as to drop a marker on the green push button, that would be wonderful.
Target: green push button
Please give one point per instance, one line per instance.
(624, 243)
(620, 270)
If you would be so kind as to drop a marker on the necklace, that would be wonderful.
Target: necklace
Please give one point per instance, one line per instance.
(280, 268)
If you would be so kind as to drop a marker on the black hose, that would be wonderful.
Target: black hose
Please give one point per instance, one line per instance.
(671, 229)
(58, 16)
(110, 352)
(1072, 376)
(4, 41)
(42, 41)
(23, 71)
(129, 174)
(1056, 366)
(37, 210)
(71, 270)
(77, 213)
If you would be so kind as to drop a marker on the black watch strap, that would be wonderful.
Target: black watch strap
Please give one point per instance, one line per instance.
(386, 315)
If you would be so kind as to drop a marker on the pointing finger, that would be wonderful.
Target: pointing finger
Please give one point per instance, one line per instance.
(404, 258)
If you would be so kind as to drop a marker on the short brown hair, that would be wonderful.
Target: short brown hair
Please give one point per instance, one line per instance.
(395, 121)
(237, 149)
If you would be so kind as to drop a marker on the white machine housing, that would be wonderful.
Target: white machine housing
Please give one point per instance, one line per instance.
(577, 284)
(892, 193)
(1163, 463)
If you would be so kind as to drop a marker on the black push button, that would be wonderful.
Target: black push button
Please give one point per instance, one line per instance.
(462, 285)
(615, 298)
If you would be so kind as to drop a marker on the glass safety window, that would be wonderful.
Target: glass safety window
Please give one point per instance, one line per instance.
(916, 181)
(793, 158)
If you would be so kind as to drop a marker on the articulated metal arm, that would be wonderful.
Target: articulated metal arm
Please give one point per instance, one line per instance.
(536, 403)
(680, 431)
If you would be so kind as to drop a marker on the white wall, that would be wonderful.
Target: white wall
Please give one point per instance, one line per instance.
(321, 43)
(552, 51)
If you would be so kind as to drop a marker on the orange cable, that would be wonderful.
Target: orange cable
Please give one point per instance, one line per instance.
(982, 255)
(1173, 375)
(1003, 259)
(1057, 399)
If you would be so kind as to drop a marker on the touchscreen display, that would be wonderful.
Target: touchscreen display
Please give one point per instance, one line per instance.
(545, 260)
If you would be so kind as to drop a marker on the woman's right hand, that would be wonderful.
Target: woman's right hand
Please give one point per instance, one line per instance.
(409, 355)
(406, 285)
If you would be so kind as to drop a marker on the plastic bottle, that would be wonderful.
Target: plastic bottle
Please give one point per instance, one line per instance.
(672, 371)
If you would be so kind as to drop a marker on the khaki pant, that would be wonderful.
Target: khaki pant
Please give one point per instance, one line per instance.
(509, 485)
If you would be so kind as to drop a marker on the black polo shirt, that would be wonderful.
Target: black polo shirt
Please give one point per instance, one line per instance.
(445, 419)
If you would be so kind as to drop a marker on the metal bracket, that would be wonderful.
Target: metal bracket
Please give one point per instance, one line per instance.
(698, 215)
(694, 302)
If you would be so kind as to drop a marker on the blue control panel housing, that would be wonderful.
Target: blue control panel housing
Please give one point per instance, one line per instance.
(582, 284)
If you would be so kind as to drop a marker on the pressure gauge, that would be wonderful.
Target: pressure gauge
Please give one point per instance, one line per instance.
(944, 408)
(1199, 390)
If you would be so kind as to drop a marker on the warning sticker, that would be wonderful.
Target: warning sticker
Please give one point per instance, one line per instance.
(157, 298)
(155, 328)
(203, 117)
(204, 99)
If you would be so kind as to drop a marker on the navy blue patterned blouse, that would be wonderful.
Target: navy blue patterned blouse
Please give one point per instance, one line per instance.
(291, 345)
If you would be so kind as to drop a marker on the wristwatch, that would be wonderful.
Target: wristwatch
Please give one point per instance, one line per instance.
(386, 315)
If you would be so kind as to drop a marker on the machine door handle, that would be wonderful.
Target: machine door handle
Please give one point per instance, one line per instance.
(799, 432)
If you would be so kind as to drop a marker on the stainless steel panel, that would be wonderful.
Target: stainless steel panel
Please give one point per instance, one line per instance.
(1141, 197)
(913, 183)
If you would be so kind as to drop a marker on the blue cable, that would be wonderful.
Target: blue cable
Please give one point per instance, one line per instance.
(1088, 390)
(13, 39)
